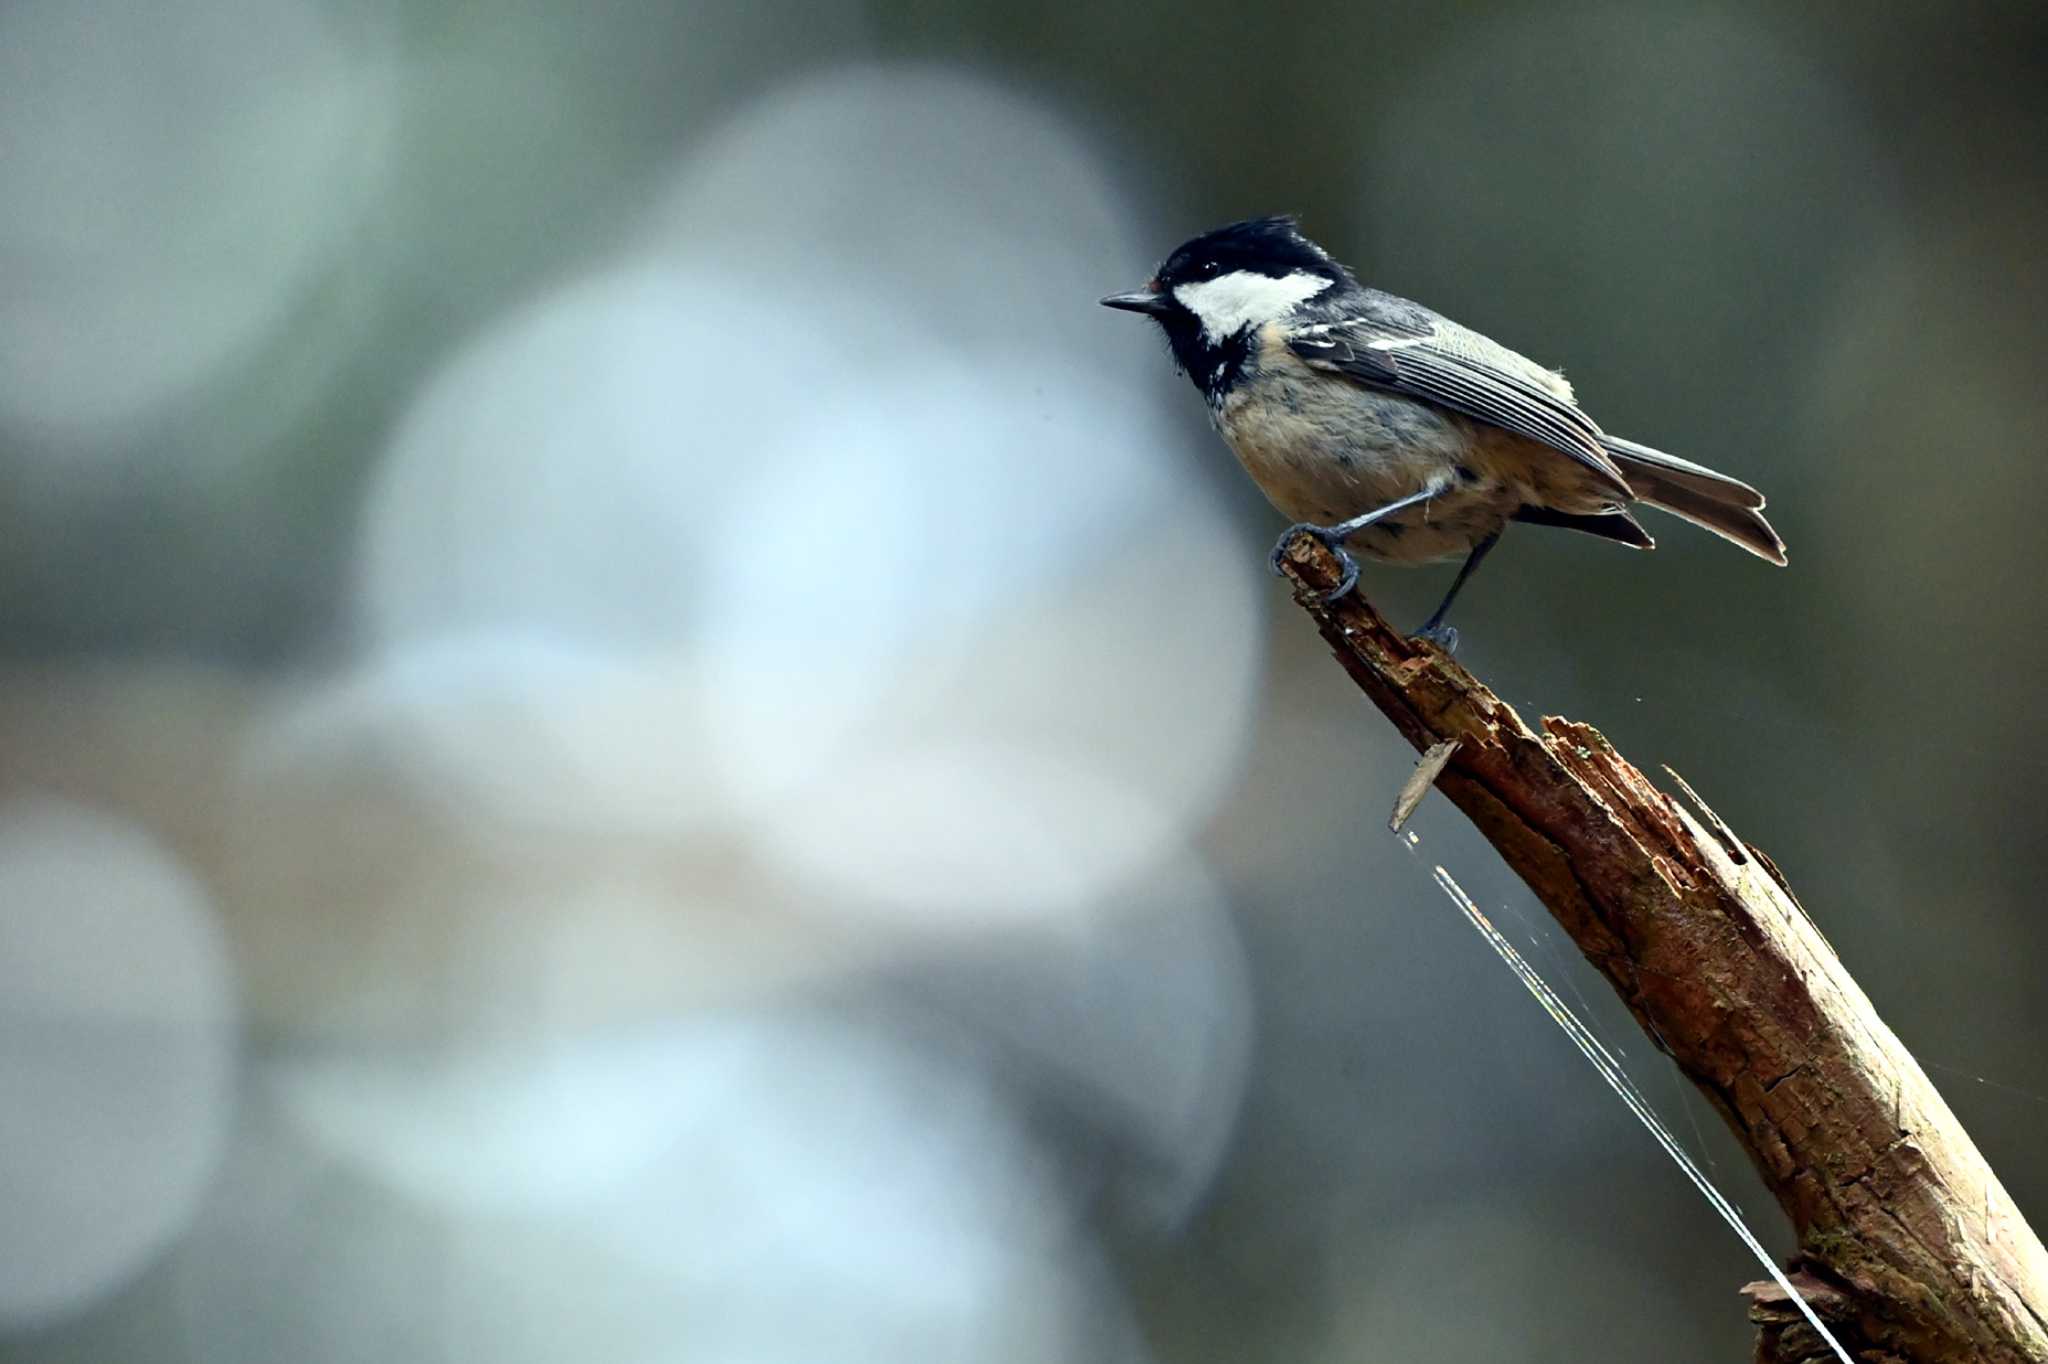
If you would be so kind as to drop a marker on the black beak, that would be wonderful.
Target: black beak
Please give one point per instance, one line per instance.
(1147, 300)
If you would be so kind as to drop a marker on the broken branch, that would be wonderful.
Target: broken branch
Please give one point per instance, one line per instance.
(1915, 1250)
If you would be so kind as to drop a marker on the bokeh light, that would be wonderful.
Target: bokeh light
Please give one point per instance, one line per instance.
(117, 1049)
(175, 177)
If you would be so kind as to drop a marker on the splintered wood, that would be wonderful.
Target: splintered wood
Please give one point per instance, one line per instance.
(1419, 781)
(1903, 1229)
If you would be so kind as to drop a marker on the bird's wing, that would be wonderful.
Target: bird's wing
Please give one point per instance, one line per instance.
(1415, 353)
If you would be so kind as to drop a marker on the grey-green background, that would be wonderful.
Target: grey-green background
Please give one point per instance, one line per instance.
(629, 730)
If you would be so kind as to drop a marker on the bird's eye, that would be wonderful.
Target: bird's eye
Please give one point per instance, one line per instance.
(1207, 270)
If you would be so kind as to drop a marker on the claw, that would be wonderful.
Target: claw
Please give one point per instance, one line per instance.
(1329, 539)
(1348, 581)
(1445, 637)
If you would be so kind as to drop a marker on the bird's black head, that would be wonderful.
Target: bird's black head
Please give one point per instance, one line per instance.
(1215, 292)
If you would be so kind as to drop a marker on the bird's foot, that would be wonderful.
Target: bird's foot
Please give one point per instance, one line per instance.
(1444, 636)
(1329, 539)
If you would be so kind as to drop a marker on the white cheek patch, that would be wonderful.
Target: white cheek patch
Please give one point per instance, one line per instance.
(1245, 298)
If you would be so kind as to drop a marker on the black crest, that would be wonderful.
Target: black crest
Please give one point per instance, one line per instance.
(1270, 246)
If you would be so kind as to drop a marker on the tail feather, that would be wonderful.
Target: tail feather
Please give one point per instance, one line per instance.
(1726, 506)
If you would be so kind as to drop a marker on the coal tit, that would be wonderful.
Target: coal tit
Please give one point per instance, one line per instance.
(1371, 421)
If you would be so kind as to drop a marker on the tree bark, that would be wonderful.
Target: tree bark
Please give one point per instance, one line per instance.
(1909, 1247)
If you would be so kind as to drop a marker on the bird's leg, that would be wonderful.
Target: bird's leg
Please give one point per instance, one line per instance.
(1434, 630)
(1332, 538)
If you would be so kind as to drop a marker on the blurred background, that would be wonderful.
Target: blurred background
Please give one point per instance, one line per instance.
(631, 731)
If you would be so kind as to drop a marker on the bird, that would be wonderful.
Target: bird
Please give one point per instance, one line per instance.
(1374, 423)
